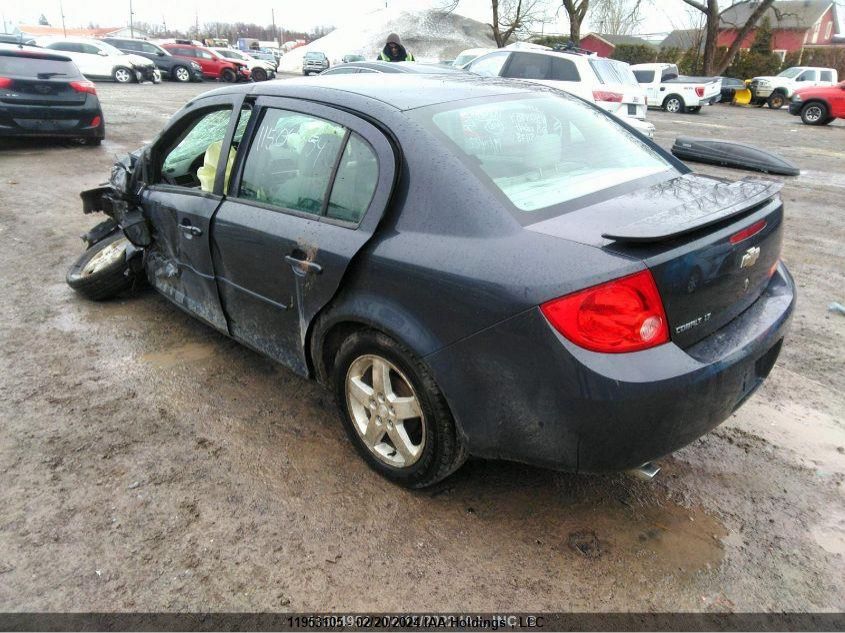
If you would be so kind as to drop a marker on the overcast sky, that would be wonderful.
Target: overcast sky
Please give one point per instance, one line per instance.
(661, 15)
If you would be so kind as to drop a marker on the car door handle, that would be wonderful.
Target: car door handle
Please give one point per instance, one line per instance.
(190, 229)
(303, 266)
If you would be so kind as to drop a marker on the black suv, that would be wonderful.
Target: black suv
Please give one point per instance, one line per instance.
(171, 67)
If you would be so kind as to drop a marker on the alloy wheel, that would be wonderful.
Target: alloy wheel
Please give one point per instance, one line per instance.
(673, 106)
(182, 74)
(106, 257)
(385, 411)
(813, 113)
(121, 75)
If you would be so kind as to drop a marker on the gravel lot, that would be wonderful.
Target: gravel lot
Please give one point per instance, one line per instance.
(149, 463)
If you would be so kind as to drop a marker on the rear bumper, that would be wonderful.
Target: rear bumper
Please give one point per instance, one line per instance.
(53, 121)
(795, 108)
(522, 392)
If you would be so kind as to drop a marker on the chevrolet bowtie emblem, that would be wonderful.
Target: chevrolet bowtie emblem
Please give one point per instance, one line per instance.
(750, 257)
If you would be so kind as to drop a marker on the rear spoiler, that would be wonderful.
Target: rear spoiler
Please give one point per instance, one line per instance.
(751, 194)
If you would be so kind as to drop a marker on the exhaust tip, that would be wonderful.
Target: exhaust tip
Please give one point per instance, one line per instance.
(646, 472)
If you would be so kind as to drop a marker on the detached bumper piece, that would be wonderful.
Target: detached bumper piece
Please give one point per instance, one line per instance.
(732, 154)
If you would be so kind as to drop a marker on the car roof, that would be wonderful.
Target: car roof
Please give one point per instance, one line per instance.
(401, 91)
(398, 67)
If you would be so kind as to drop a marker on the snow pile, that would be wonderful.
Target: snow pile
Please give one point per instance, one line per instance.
(429, 34)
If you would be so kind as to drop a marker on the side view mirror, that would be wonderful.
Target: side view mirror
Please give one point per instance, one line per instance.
(160, 54)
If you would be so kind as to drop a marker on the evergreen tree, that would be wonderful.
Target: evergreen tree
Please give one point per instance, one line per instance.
(763, 37)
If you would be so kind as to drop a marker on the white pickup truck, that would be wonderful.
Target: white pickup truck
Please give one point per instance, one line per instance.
(666, 89)
(778, 90)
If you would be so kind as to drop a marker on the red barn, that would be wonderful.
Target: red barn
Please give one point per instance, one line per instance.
(795, 24)
(604, 44)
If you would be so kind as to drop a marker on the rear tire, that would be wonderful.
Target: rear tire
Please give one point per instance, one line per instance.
(102, 271)
(673, 104)
(181, 74)
(123, 75)
(228, 75)
(815, 113)
(432, 447)
(259, 74)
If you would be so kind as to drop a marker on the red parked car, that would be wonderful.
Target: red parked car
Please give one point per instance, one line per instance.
(214, 66)
(819, 105)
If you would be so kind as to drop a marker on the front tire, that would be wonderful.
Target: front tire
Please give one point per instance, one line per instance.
(182, 74)
(103, 271)
(673, 104)
(393, 411)
(228, 75)
(815, 113)
(259, 74)
(123, 75)
(776, 100)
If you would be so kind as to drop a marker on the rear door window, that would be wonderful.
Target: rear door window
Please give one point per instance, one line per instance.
(528, 66)
(355, 183)
(564, 70)
(291, 161)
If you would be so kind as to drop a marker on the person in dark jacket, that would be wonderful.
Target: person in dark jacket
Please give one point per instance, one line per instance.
(393, 51)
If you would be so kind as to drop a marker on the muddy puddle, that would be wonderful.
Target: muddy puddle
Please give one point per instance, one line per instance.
(182, 354)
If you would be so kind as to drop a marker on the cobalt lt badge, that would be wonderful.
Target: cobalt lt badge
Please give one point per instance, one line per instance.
(750, 257)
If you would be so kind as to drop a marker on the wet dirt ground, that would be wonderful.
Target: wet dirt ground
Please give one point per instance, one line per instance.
(149, 463)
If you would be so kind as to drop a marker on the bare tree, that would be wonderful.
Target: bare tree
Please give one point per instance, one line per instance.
(713, 18)
(576, 10)
(616, 17)
(514, 17)
(510, 17)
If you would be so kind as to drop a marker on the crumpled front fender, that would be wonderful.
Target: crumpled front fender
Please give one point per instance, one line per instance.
(120, 199)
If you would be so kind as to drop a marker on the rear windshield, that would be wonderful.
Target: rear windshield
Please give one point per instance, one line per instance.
(644, 76)
(33, 66)
(546, 150)
(610, 71)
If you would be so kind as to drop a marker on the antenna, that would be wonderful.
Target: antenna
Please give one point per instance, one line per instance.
(62, 12)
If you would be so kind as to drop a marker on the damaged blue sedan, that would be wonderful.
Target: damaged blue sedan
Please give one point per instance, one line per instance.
(473, 267)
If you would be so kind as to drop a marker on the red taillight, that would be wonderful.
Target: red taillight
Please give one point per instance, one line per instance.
(606, 95)
(95, 122)
(5, 82)
(745, 233)
(84, 86)
(623, 315)
(699, 90)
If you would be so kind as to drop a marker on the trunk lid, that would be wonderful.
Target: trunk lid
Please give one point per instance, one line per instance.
(711, 245)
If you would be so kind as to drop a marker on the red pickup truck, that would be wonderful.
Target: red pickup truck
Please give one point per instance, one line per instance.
(214, 66)
(819, 105)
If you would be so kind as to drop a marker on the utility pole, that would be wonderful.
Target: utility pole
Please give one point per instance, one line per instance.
(164, 23)
(62, 12)
(131, 25)
(197, 22)
(273, 20)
